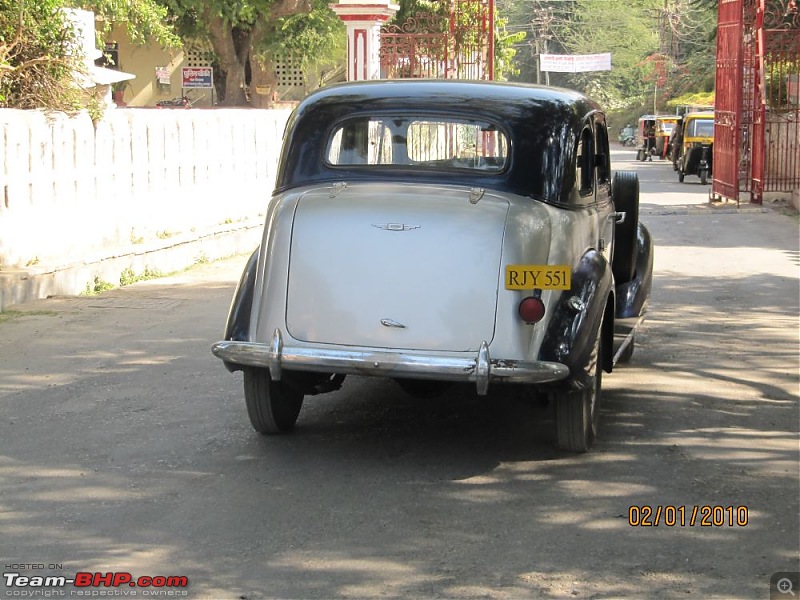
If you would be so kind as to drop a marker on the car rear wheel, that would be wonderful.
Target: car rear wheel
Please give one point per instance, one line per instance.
(577, 412)
(273, 406)
(625, 191)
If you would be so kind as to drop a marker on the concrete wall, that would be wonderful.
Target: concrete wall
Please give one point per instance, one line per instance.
(73, 191)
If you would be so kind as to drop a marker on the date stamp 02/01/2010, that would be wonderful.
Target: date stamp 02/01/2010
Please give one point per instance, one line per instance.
(698, 515)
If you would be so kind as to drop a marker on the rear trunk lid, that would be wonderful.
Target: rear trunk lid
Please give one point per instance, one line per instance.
(396, 266)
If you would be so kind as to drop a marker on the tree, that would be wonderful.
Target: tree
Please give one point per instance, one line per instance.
(315, 39)
(39, 65)
(36, 62)
(659, 48)
(462, 19)
(244, 35)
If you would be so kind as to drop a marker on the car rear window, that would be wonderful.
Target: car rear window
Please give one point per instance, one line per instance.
(418, 142)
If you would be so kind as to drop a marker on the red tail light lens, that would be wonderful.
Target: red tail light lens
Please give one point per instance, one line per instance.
(531, 310)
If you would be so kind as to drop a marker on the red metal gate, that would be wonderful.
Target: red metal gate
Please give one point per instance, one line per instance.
(757, 135)
(459, 45)
(728, 101)
(776, 137)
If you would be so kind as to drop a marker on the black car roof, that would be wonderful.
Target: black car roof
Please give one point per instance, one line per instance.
(542, 122)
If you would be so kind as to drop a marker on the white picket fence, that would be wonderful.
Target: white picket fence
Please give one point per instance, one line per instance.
(71, 189)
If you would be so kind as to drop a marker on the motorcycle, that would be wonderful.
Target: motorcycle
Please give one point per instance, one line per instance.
(627, 137)
(179, 102)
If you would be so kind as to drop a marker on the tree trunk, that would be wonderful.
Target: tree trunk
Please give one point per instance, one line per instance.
(232, 47)
(263, 82)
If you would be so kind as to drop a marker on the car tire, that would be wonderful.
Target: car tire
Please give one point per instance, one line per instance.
(273, 407)
(625, 191)
(577, 411)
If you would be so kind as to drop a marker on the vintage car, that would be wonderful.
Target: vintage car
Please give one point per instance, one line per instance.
(442, 231)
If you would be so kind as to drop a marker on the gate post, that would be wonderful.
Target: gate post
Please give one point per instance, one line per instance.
(363, 21)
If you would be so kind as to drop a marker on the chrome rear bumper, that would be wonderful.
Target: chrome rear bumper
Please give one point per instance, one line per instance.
(480, 369)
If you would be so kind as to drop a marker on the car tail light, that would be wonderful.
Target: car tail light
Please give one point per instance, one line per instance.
(531, 310)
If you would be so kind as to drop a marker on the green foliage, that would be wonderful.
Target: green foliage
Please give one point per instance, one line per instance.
(8, 315)
(699, 99)
(97, 286)
(505, 49)
(659, 48)
(145, 19)
(317, 37)
(626, 29)
(39, 66)
(465, 29)
(129, 276)
(247, 35)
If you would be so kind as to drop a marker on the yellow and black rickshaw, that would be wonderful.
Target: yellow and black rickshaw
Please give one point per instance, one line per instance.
(665, 128)
(694, 146)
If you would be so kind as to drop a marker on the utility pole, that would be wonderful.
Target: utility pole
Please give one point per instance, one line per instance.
(540, 26)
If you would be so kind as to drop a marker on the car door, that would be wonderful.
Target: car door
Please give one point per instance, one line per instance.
(603, 199)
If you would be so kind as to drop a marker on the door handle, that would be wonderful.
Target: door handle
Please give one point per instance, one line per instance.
(617, 217)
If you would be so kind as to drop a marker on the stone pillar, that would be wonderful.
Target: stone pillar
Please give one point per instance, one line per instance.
(363, 21)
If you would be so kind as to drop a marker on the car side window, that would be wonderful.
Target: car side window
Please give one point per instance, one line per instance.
(602, 157)
(585, 163)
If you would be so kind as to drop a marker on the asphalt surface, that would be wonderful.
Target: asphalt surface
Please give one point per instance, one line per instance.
(125, 448)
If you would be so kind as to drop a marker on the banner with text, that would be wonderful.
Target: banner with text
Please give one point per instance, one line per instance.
(575, 63)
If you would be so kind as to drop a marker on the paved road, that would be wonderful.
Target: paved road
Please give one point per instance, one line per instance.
(125, 447)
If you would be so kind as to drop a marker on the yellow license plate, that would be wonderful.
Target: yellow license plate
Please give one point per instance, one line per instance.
(538, 277)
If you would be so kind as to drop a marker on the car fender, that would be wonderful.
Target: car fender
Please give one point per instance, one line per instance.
(577, 317)
(237, 327)
(632, 296)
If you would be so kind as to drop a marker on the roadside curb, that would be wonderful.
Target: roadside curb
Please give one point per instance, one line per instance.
(21, 285)
(716, 208)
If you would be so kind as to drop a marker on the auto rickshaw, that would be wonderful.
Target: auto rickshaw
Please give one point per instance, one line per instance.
(665, 127)
(646, 137)
(695, 146)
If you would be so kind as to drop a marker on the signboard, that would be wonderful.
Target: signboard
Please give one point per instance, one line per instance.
(162, 75)
(575, 63)
(197, 77)
(793, 88)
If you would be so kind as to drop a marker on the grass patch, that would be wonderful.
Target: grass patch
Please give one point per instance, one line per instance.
(129, 276)
(8, 315)
(136, 239)
(97, 287)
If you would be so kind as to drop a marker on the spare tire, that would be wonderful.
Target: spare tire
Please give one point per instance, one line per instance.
(625, 191)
